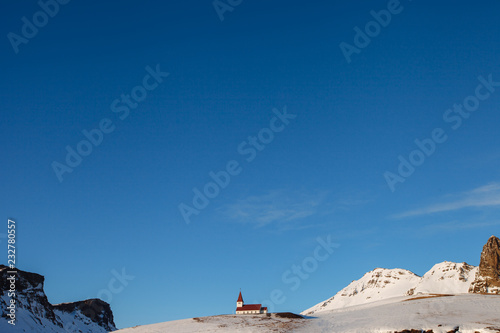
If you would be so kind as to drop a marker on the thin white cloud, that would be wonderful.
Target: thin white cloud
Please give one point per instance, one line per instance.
(455, 226)
(291, 210)
(274, 206)
(484, 196)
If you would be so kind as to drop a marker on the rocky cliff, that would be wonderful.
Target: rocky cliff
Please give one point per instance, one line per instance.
(487, 278)
(34, 313)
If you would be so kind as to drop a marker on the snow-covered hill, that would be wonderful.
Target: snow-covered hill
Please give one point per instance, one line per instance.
(224, 323)
(373, 286)
(379, 284)
(446, 278)
(464, 313)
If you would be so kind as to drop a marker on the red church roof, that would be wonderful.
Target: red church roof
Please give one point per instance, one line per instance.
(240, 298)
(249, 307)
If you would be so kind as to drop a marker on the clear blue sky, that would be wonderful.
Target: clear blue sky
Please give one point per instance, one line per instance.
(320, 173)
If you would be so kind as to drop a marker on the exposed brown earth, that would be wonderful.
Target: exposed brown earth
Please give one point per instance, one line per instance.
(271, 322)
(427, 296)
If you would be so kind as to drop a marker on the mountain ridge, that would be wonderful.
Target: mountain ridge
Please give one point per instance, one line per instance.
(443, 278)
(448, 297)
(34, 313)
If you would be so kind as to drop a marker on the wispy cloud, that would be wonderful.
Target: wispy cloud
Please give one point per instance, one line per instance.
(449, 227)
(274, 206)
(456, 226)
(484, 196)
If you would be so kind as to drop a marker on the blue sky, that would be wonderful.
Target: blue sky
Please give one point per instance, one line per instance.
(320, 173)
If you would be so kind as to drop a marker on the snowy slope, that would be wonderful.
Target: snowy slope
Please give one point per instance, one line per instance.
(376, 285)
(468, 312)
(444, 278)
(223, 323)
(383, 300)
(26, 321)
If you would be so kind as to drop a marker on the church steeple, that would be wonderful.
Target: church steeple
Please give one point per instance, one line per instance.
(239, 302)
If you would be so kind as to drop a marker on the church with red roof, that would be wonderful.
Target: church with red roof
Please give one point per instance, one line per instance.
(242, 308)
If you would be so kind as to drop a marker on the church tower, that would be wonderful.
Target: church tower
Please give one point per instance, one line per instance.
(239, 302)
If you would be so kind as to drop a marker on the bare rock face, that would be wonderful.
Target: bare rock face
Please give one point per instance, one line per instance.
(29, 295)
(487, 279)
(36, 314)
(95, 309)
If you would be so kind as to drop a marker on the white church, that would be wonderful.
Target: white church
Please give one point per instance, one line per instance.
(242, 308)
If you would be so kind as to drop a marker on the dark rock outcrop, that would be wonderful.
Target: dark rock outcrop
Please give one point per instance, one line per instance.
(95, 309)
(488, 276)
(30, 297)
(288, 315)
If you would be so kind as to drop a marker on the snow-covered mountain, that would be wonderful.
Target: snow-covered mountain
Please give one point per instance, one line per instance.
(446, 278)
(379, 284)
(373, 286)
(464, 313)
(450, 297)
(443, 278)
(34, 313)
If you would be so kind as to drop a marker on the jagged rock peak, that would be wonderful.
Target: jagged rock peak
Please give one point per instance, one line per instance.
(488, 276)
